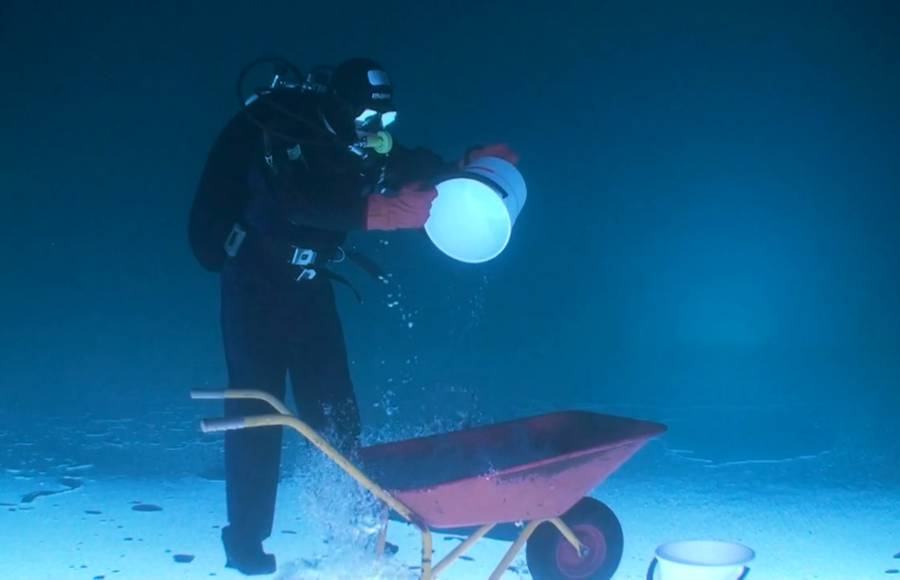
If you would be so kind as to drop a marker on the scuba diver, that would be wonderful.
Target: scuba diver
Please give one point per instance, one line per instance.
(305, 161)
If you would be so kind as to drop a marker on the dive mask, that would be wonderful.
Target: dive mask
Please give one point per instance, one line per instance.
(371, 121)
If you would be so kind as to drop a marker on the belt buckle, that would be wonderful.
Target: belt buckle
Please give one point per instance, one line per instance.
(303, 256)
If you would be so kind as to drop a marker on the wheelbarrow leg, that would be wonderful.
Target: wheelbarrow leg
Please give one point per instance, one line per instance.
(426, 554)
(515, 548)
(382, 533)
(568, 534)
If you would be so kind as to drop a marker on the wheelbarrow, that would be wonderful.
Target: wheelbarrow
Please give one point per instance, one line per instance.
(525, 480)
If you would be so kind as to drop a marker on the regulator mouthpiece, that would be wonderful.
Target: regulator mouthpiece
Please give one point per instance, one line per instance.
(382, 142)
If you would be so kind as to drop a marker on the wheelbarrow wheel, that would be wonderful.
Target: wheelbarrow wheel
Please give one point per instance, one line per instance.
(551, 557)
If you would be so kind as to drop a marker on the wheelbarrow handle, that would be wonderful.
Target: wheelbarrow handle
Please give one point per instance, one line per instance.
(243, 394)
(198, 394)
(229, 424)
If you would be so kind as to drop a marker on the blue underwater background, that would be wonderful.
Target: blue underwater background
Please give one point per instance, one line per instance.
(710, 239)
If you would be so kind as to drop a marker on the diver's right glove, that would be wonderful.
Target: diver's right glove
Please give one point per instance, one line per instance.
(408, 210)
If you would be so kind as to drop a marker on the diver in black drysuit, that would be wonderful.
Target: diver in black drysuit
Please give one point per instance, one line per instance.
(281, 189)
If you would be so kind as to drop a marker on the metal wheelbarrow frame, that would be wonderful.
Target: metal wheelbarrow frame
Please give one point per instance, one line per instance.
(433, 500)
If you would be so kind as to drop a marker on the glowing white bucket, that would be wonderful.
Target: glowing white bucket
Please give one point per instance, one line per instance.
(700, 560)
(474, 212)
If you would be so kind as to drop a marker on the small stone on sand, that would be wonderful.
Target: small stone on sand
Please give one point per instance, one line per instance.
(71, 482)
(146, 507)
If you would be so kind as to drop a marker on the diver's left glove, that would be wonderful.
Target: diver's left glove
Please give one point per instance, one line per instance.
(408, 210)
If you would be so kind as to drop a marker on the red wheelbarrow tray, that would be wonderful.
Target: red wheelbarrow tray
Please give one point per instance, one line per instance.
(521, 470)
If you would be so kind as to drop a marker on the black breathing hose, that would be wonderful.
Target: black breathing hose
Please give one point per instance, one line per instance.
(283, 67)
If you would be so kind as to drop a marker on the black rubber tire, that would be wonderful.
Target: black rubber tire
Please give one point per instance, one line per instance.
(594, 523)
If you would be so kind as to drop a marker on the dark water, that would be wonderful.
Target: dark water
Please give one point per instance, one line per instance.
(712, 221)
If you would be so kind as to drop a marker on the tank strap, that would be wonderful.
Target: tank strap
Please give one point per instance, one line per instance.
(367, 265)
(341, 280)
(269, 156)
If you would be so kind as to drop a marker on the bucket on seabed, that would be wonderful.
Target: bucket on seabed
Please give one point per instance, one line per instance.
(700, 560)
(474, 212)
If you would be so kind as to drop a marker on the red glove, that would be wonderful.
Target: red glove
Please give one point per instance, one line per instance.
(408, 210)
(500, 150)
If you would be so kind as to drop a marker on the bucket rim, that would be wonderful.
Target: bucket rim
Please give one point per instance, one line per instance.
(746, 553)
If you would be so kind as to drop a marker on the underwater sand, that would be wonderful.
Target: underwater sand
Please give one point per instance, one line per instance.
(66, 517)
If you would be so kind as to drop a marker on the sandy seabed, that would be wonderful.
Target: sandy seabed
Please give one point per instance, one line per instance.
(64, 518)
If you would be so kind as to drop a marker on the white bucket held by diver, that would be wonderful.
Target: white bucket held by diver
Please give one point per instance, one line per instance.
(474, 212)
(700, 560)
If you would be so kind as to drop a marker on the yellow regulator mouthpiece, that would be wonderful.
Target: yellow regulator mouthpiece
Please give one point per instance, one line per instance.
(382, 142)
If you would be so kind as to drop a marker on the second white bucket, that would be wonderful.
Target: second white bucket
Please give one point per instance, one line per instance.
(474, 212)
(700, 560)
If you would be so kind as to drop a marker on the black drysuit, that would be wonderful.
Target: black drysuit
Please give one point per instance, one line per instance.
(274, 325)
